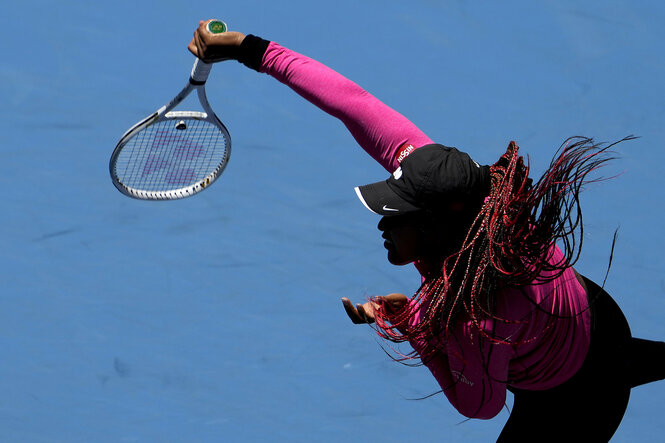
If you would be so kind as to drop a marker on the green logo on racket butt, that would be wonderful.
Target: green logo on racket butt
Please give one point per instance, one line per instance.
(216, 26)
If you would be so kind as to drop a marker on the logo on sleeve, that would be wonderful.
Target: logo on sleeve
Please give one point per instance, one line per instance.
(404, 151)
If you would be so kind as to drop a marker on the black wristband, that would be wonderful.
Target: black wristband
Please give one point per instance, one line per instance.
(252, 50)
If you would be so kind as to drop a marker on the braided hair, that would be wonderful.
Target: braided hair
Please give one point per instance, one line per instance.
(506, 245)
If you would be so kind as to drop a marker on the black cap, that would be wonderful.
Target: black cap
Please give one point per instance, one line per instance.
(432, 177)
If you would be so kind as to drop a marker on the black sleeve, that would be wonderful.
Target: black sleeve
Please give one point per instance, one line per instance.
(252, 50)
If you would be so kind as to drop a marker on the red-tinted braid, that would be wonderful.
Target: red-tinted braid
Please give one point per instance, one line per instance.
(506, 244)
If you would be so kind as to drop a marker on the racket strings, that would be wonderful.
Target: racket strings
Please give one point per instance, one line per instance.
(172, 154)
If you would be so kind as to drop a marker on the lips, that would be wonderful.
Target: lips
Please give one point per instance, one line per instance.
(388, 243)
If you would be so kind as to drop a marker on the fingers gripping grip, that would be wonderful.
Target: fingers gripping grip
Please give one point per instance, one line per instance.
(201, 69)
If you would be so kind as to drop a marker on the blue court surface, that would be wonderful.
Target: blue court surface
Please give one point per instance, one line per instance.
(218, 317)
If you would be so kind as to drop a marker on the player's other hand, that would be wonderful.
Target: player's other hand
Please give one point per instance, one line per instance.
(211, 47)
(364, 313)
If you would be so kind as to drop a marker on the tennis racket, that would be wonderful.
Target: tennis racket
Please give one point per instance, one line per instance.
(174, 154)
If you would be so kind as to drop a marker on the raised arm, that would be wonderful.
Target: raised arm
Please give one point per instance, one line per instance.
(382, 132)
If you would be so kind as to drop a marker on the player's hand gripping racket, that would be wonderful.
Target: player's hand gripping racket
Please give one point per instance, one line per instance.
(174, 154)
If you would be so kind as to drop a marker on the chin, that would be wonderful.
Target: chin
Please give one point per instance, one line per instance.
(397, 261)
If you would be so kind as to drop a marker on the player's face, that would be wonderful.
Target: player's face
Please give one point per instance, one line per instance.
(419, 236)
(404, 238)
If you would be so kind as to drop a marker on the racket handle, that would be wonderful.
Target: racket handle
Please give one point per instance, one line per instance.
(200, 72)
(201, 69)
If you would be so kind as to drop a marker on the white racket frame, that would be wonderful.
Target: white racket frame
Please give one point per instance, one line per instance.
(197, 80)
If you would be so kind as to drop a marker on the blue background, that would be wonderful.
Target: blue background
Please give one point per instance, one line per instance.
(217, 318)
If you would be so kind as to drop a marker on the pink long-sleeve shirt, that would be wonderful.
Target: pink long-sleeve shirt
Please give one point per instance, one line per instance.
(548, 327)
(381, 131)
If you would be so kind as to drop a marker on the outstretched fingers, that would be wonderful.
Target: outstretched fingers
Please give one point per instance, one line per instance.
(360, 313)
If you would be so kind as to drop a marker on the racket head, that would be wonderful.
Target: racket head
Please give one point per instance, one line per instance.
(174, 154)
(170, 155)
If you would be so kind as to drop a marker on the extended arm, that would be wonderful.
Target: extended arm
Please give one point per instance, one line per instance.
(472, 372)
(381, 131)
(378, 129)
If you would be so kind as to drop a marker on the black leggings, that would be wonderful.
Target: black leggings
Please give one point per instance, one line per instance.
(589, 407)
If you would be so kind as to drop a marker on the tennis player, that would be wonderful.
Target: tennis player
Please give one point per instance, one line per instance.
(500, 307)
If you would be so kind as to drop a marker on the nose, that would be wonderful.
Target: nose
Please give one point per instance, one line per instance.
(383, 224)
(384, 227)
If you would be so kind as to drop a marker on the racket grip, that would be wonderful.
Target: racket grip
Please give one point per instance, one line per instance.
(201, 69)
(200, 72)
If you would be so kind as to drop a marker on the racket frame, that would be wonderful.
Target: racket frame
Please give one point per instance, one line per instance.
(197, 80)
